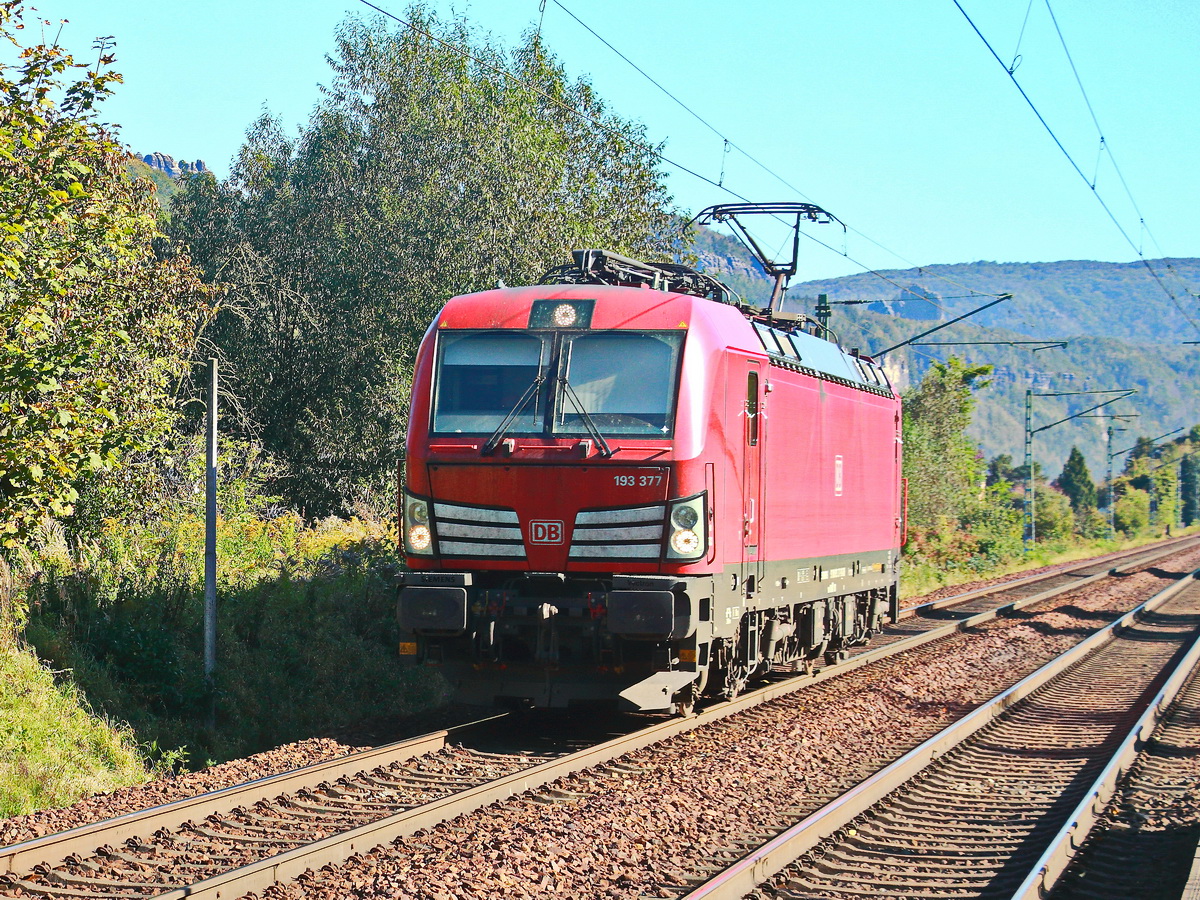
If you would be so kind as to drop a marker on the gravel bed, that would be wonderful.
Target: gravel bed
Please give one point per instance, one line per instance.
(629, 830)
(953, 590)
(1145, 843)
(164, 790)
(796, 759)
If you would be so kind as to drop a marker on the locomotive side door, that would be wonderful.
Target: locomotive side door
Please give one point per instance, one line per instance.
(752, 507)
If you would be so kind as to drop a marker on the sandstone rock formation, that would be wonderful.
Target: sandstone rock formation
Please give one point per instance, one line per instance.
(167, 164)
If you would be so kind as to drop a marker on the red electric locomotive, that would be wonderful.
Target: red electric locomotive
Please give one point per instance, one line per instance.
(620, 486)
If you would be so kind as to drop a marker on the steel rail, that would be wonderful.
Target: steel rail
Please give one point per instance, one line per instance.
(1132, 557)
(1070, 838)
(336, 849)
(54, 849)
(1191, 890)
(776, 854)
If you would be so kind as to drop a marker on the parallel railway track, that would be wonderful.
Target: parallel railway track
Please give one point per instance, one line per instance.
(1149, 831)
(252, 836)
(1015, 785)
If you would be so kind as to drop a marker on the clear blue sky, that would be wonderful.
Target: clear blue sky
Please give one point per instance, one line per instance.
(892, 115)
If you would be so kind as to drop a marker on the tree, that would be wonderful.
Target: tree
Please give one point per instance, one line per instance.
(424, 173)
(1000, 468)
(1131, 512)
(1053, 520)
(1076, 482)
(956, 520)
(96, 330)
(941, 463)
(1164, 496)
(1143, 447)
(1189, 476)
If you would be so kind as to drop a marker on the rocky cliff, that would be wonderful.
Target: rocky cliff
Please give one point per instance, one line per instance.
(166, 164)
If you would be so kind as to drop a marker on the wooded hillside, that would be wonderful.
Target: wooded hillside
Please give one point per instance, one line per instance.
(1122, 329)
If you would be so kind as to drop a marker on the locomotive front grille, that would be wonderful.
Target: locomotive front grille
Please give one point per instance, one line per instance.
(478, 531)
(632, 533)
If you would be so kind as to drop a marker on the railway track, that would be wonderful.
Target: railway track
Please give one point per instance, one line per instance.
(252, 836)
(992, 806)
(1145, 845)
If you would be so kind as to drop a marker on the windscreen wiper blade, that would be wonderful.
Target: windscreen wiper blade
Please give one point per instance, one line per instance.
(588, 422)
(498, 435)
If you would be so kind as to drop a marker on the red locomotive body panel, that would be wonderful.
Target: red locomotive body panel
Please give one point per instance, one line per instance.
(673, 480)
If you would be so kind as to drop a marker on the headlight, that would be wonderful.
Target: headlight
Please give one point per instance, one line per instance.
(418, 512)
(689, 528)
(418, 539)
(685, 516)
(564, 315)
(685, 542)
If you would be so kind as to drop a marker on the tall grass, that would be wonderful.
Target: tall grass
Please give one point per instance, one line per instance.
(53, 748)
(306, 632)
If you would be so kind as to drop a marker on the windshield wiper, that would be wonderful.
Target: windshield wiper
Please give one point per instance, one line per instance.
(588, 422)
(506, 422)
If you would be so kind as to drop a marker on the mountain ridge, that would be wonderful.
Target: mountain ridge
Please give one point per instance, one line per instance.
(1121, 327)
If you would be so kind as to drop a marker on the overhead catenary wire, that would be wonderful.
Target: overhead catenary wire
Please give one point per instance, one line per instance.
(600, 124)
(1105, 148)
(1066, 153)
(730, 144)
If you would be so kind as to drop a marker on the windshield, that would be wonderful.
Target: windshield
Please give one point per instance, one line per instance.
(482, 377)
(624, 380)
(619, 382)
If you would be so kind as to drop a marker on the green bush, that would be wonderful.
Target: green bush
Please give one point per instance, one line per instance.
(1052, 516)
(1131, 512)
(306, 633)
(1090, 523)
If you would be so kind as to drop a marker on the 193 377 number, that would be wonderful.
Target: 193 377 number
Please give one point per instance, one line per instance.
(649, 480)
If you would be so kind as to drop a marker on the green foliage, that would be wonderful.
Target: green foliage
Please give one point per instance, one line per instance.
(940, 462)
(53, 750)
(1189, 477)
(1165, 494)
(306, 635)
(1090, 523)
(1000, 468)
(421, 175)
(165, 187)
(1166, 474)
(1052, 516)
(1131, 512)
(95, 329)
(961, 513)
(1076, 482)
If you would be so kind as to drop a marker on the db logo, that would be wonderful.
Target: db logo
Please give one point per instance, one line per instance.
(545, 531)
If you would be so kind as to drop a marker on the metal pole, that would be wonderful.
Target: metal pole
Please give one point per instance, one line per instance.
(1179, 495)
(210, 539)
(1030, 535)
(1030, 431)
(823, 311)
(1112, 498)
